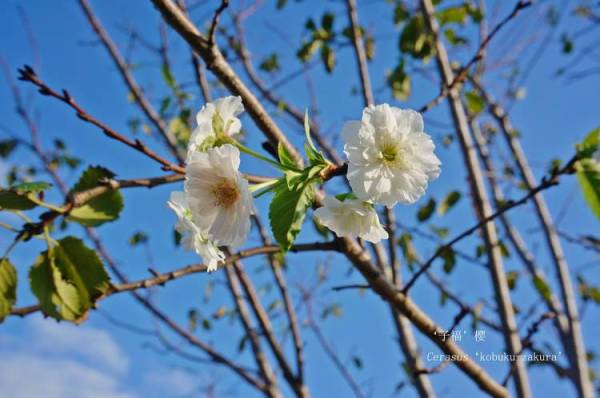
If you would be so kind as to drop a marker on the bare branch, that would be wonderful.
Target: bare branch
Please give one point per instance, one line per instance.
(129, 80)
(462, 73)
(27, 74)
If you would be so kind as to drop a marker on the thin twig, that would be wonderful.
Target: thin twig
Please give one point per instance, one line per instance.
(28, 74)
(462, 73)
(129, 80)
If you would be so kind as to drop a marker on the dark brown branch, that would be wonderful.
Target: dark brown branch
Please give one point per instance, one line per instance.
(215, 22)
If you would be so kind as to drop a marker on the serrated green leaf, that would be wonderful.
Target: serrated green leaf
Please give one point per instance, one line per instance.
(285, 158)
(67, 279)
(287, 211)
(588, 175)
(11, 200)
(448, 202)
(426, 210)
(8, 287)
(101, 209)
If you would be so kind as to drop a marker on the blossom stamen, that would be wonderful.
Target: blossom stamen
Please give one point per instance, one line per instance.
(226, 193)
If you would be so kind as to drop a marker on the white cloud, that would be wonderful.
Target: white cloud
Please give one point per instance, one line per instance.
(57, 360)
(28, 375)
(94, 345)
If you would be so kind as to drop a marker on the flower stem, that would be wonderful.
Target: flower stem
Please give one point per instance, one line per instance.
(257, 155)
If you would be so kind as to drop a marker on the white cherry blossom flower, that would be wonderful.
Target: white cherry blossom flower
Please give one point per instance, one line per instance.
(192, 237)
(227, 108)
(351, 218)
(390, 158)
(218, 195)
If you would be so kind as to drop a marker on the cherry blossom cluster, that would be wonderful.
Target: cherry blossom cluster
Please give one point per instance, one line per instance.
(390, 160)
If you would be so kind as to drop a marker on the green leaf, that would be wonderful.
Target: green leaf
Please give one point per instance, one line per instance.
(138, 238)
(30, 187)
(327, 21)
(270, 63)
(285, 158)
(590, 144)
(315, 157)
(102, 208)
(588, 175)
(511, 279)
(440, 232)
(7, 147)
(449, 258)
(475, 104)
(168, 76)
(67, 279)
(287, 211)
(399, 82)
(11, 200)
(307, 50)
(542, 287)
(8, 287)
(426, 210)
(415, 39)
(328, 58)
(448, 202)
(401, 13)
(456, 14)
(453, 38)
(370, 47)
(587, 291)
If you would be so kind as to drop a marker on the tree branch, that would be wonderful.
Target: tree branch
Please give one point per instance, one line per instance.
(130, 82)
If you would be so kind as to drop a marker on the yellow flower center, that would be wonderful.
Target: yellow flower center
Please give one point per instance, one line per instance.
(389, 153)
(226, 193)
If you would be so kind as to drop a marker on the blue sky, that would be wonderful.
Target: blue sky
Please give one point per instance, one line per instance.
(101, 359)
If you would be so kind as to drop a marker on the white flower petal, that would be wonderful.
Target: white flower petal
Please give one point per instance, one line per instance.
(219, 196)
(390, 158)
(192, 236)
(351, 218)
